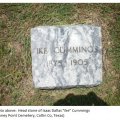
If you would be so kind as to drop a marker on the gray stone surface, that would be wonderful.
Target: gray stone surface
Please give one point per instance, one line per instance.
(66, 56)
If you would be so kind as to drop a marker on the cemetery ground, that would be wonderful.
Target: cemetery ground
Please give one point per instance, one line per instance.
(16, 20)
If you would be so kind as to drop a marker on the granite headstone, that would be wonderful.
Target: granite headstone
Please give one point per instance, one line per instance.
(66, 56)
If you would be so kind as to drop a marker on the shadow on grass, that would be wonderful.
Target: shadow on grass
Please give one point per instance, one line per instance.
(91, 99)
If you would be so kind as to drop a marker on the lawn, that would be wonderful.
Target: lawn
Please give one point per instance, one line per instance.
(16, 20)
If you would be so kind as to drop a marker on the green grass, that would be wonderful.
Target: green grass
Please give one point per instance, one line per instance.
(16, 20)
